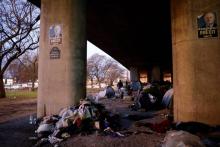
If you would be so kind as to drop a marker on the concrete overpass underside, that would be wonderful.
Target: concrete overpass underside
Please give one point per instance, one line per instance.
(131, 32)
(137, 37)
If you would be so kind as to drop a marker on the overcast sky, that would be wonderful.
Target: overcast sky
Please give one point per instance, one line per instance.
(92, 49)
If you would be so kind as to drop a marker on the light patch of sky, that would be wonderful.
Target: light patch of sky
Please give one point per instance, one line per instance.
(92, 49)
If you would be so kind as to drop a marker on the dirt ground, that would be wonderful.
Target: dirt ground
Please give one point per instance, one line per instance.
(15, 108)
(15, 130)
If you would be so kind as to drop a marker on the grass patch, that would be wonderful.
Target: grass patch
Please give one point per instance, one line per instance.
(26, 94)
(21, 94)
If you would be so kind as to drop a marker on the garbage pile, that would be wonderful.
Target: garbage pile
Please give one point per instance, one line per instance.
(153, 97)
(184, 134)
(84, 119)
(181, 139)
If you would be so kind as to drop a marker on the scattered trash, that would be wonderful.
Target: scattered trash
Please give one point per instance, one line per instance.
(45, 128)
(31, 119)
(193, 127)
(85, 119)
(161, 127)
(127, 98)
(33, 138)
(41, 142)
(54, 140)
(110, 132)
(65, 135)
(181, 139)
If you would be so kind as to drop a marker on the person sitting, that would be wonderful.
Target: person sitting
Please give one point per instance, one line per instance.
(135, 87)
(110, 93)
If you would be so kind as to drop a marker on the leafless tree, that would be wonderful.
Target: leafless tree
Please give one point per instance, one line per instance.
(30, 63)
(25, 69)
(90, 72)
(114, 72)
(19, 32)
(101, 69)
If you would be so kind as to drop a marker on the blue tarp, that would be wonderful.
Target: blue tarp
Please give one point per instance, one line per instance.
(167, 98)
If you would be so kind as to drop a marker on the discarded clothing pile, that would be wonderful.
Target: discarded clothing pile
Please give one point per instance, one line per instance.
(153, 97)
(84, 119)
(181, 139)
(193, 134)
(186, 133)
(209, 135)
(149, 99)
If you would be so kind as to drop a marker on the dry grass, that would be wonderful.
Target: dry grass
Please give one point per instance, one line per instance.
(21, 94)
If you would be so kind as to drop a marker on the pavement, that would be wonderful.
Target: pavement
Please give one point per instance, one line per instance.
(15, 133)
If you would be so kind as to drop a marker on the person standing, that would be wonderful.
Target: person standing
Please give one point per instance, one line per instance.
(120, 85)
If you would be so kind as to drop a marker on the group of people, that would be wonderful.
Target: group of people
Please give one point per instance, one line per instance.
(132, 89)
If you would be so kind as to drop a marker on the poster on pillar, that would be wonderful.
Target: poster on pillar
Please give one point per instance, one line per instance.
(55, 53)
(55, 34)
(207, 25)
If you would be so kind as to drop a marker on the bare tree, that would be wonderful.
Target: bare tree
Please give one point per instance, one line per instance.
(25, 69)
(114, 72)
(19, 32)
(90, 72)
(101, 69)
(30, 62)
(96, 65)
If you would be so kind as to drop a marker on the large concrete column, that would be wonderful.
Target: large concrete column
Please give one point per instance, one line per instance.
(62, 70)
(134, 75)
(196, 63)
(156, 74)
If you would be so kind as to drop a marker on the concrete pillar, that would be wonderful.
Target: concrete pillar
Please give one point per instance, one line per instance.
(134, 75)
(62, 61)
(156, 74)
(196, 62)
(149, 76)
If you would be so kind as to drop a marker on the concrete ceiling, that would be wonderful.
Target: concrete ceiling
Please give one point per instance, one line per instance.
(130, 31)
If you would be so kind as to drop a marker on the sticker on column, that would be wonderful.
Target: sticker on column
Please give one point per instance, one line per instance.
(55, 34)
(207, 25)
(55, 53)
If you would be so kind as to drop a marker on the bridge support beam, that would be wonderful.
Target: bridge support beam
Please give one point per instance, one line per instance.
(134, 75)
(157, 74)
(62, 59)
(196, 62)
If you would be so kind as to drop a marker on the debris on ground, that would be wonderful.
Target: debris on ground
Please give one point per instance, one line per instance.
(93, 118)
(161, 127)
(181, 139)
(85, 119)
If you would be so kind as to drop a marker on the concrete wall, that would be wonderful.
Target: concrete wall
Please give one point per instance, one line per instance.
(196, 63)
(62, 82)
